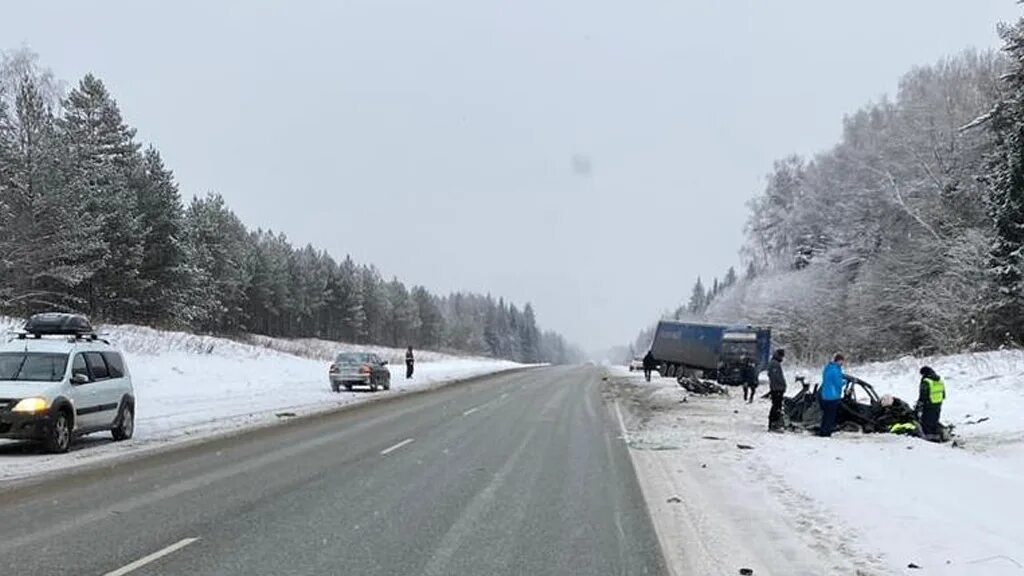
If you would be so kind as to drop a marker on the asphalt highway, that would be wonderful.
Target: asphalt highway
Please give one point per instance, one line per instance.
(520, 473)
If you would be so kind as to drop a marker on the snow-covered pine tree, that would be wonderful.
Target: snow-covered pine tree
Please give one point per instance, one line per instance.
(163, 274)
(218, 248)
(45, 259)
(102, 154)
(431, 332)
(698, 299)
(1006, 195)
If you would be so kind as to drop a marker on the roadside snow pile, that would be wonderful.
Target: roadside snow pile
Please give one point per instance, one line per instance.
(874, 503)
(326, 350)
(188, 385)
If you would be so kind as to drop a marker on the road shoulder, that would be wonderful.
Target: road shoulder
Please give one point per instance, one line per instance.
(716, 510)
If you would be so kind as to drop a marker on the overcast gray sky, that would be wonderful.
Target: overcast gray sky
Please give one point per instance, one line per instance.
(448, 141)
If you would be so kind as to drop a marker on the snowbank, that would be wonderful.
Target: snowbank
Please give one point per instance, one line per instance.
(188, 385)
(873, 503)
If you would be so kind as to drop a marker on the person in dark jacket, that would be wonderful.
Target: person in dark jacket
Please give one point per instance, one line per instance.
(409, 362)
(749, 376)
(929, 402)
(777, 390)
(830, 393)
(649, 364)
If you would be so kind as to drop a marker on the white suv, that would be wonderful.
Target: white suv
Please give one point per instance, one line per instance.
(59, 380)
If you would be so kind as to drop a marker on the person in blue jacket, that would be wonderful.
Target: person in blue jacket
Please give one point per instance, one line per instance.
(832, 384)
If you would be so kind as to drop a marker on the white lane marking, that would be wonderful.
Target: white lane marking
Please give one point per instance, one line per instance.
(470, 411)
(387, 451)
(152, 557)
(504, 395)
(622, 425)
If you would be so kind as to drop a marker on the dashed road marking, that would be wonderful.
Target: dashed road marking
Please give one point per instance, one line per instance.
(128, 568)
(387, 451)
(470, 411)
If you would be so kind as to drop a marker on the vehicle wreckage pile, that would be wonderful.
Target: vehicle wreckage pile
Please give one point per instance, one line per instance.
(860, 410)
(695, 385)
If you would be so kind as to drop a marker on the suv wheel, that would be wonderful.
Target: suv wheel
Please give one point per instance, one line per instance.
(58, 437)
(125, 424)
(387, 383)
(335, 387)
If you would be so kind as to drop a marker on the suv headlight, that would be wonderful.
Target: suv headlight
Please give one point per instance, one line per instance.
(30, 405)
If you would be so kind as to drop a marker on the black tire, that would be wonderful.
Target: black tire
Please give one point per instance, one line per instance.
(348, 386)
(373, 385)
(387, 383)
(125, 427)
(58, 436)
(335, 387)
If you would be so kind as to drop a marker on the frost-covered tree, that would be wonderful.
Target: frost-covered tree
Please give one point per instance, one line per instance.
(1006, 199)
(219, 248)
(102, 154)
(47, 249)
(163, 273)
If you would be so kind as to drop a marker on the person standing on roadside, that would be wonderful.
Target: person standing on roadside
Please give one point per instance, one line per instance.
(649, 363)
(831, 392)
(749, 376)
(929, 402)
(409, 362)
(777, 390)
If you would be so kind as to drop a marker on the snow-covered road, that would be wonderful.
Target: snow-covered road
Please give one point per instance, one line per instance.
(852, 504)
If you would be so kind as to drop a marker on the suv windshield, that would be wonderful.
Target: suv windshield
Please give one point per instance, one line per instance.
(32, 366)
(352, 358)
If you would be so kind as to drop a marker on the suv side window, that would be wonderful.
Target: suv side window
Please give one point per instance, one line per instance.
(78, 366)
(115, 364)
(97, 366)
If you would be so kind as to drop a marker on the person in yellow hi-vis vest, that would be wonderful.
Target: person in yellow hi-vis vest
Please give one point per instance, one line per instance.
(929, 402)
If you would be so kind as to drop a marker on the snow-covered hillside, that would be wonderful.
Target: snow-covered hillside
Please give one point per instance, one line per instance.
(855, 503)
(188, 385)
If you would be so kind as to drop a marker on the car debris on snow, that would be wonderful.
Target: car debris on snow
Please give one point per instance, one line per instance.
(696, 385)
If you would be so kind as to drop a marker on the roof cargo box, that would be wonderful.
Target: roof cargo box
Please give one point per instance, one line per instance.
(59, 324)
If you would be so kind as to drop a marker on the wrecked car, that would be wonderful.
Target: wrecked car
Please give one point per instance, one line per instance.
(860, 410)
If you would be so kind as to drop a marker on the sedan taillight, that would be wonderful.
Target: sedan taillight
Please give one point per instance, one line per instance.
(365, 369)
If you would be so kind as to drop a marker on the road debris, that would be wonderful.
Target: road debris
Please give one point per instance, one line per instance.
(695, 385)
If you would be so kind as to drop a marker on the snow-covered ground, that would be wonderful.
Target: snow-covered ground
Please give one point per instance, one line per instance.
(852, 504)
(188, 386)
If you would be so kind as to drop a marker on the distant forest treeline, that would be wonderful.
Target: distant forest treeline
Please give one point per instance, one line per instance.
(92, 222)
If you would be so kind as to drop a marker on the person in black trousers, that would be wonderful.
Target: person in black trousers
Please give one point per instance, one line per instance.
(749, 375)
(409, 362)
(777, 390)
(929, 402)
(649, 363)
